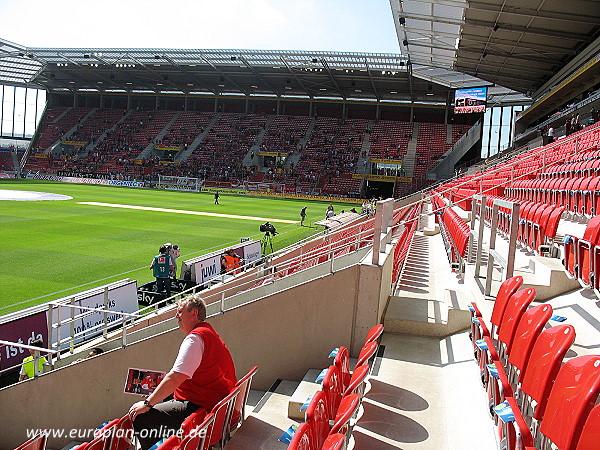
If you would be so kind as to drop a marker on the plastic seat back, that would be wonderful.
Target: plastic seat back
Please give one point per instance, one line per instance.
(347, 409)
(302, 439)
(515, 309)
(192, 421)
(332, 387)
(318, 418)
(357, 382)
(121, 435)
(506, 290)
(545, 360)
(366, 353)
(590, 435)
(335, 441)
(37, 442)
(199, 437)
(572, 398)
(238, 414)
(530, 326)
(342, 362)
(374, 333)
(219, 430)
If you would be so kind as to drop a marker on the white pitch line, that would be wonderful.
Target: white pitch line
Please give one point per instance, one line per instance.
(183, 211)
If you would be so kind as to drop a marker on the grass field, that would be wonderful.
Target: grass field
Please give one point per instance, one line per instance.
(51, 249)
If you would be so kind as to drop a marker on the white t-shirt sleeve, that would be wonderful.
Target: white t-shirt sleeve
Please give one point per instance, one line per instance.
(189, 356)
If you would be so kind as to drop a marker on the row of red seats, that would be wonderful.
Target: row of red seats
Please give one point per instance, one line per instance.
(581, 168)
(199, 431)
(538, 222)
(332, 410)
(582, 256)
(455, 230)
(537, 399)
(406, 237)
(578, 195)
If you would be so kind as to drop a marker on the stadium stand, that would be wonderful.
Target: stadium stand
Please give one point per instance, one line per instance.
(528, 216)
(134, 144)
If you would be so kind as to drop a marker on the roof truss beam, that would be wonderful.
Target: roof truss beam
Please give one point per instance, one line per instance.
(332, 78)
(260, 77)
(372, 80)
(518, 11)
(223, 74)
(190, 76)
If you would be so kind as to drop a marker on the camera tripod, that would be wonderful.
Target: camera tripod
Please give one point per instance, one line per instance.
(266, 242)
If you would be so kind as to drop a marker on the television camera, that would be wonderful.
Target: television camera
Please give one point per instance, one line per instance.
(267, 228)
(269, 231)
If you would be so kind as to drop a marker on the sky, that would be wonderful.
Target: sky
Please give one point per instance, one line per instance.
(325, 25)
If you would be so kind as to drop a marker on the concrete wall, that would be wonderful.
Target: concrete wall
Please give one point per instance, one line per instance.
(284, 334)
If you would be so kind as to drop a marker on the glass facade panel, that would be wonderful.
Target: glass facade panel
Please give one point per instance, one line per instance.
(20, 111)
(8, 102)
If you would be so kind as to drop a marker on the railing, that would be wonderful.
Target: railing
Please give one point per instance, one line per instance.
(36, 356)
(586, 101)
(74, 335)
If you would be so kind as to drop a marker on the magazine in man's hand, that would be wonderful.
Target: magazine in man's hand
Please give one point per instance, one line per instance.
(142, 381)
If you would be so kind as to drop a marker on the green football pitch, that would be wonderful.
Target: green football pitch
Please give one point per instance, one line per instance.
(52, 249)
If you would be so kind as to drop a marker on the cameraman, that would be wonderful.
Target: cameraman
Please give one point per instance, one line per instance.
(162, 265)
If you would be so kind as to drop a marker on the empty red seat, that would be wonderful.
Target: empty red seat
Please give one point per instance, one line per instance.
(590, 434)
(572, 398)
(302, 439)
(37, 442)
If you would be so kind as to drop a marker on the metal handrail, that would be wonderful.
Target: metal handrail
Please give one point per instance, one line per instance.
(36, 356)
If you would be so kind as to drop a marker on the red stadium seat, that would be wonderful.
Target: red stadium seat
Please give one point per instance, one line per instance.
(219, 430)
(356, 383)
(302, 439)
(37, 442)
(336, 442)
(347, 410)
(342, 362)
(530, 327)
(318, 418)
(366, 353)
(238, 414)
(121, 435)
(196, 438)
(374, 333)
(590, 435)
(572, 398)
(515, 308)
(333, 389)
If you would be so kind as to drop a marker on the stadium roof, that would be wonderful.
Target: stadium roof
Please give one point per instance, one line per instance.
(518, 44)
(383, 77)
(512, 46)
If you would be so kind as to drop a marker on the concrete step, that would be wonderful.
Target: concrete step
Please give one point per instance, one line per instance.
(307, 388)
(548, 277)
(425, 316)
(267, 421)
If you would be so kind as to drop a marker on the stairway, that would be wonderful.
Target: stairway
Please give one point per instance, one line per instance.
(93, 145)
(408, 164)
(185, 154)
(65, 137)
(363, 159)
(147, 152)
(293, 159)
(249, 159)
(429, 299)
(15, 161)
